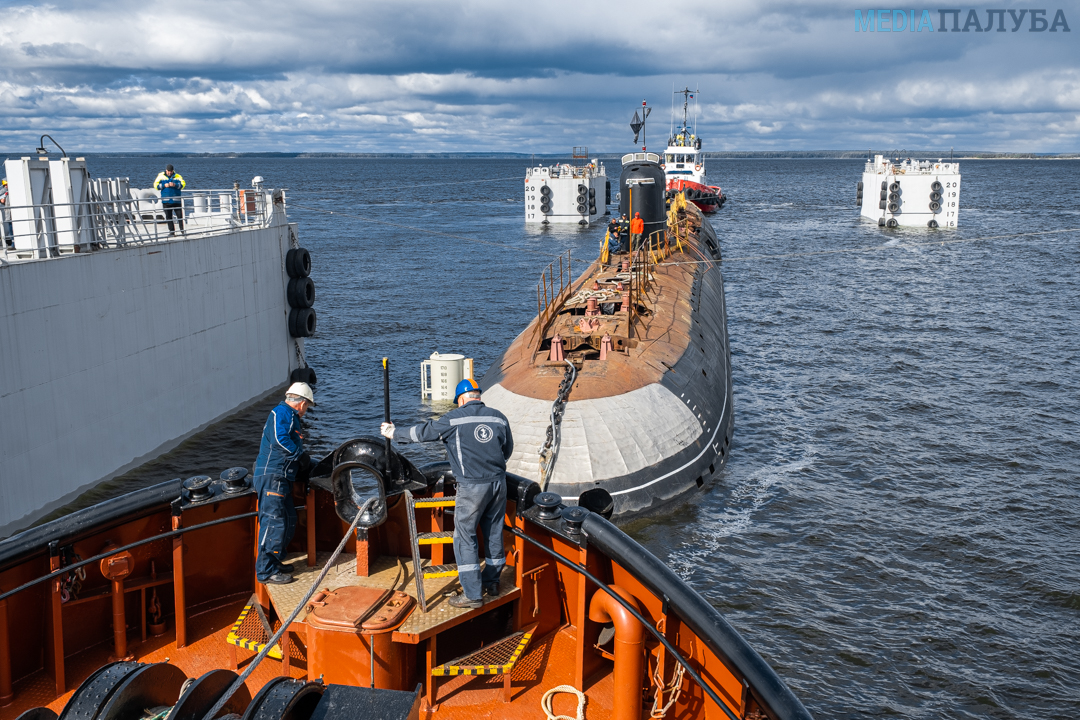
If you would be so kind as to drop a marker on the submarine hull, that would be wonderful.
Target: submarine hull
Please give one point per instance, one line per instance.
(652, 423)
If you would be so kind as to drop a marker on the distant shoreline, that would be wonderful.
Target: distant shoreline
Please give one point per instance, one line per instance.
(542, 157)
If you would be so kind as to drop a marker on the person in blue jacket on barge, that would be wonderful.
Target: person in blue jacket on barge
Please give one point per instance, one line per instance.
(478, 442)
(171, 184)
(281, 455)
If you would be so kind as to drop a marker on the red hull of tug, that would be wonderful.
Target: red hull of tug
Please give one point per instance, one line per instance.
(708, 198)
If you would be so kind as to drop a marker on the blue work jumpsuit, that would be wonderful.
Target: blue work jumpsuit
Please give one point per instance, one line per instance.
(478, 443)
(275, 471)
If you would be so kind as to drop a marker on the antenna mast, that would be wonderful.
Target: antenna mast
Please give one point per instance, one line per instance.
(638, 124)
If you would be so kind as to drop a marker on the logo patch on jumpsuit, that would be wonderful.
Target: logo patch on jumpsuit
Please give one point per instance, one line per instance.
(483, 433)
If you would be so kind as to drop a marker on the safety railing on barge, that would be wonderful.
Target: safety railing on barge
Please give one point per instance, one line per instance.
(116, 217)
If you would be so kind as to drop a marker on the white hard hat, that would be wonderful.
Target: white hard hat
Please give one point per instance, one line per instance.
(303, 390)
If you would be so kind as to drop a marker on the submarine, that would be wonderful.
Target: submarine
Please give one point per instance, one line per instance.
(622, 381)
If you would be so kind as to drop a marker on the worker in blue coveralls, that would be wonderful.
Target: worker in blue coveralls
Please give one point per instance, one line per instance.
(170, 184)
(478, 443)
(281, 454)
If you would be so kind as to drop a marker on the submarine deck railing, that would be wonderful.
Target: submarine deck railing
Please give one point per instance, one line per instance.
(679, 599)
(114, 217)
(549, 299)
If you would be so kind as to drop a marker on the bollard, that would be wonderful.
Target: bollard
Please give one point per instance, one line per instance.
(556, 349)
(116, 568)
(606, 346)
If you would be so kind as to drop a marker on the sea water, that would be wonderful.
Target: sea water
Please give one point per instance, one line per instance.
(896, 530)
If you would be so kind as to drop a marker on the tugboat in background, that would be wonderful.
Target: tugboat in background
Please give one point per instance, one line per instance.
(684, 165)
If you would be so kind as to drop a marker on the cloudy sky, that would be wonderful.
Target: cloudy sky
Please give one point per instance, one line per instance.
(537, 76)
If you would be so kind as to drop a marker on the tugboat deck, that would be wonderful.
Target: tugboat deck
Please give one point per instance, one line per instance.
(459, 697)
(387, 573)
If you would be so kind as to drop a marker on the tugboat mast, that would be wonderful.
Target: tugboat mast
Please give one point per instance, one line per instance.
(686, 130)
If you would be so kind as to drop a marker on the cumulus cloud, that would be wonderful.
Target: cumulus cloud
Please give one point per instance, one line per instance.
(535, 77)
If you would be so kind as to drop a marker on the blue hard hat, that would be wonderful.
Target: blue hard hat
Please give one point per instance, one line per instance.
(466, 385)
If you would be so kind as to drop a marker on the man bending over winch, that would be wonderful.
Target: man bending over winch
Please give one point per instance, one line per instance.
(478, 442)
(281, 455)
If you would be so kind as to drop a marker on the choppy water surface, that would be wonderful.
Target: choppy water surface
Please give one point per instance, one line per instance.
(896, 530)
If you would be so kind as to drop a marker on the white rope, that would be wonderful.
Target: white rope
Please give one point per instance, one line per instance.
(545, 702)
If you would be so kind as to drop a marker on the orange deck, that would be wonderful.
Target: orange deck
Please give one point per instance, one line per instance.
(460, 697)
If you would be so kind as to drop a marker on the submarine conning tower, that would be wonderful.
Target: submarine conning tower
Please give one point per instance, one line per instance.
(641, 187)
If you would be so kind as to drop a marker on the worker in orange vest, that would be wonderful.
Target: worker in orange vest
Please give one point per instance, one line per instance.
(637, 229)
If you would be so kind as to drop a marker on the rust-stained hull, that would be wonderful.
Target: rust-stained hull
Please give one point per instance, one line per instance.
(652, 421)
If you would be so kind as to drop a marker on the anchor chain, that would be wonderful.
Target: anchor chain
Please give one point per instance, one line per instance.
(550, 450)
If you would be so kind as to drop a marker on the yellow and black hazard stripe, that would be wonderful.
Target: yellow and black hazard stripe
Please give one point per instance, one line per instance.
(234, 639)
(435, 503)
(451, 670)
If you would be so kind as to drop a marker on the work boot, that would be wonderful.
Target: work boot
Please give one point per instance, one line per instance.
(492, 589)
(287, 569)
(458, 600)
(278, 579)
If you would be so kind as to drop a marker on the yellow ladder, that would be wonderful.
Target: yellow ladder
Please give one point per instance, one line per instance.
(416, 539)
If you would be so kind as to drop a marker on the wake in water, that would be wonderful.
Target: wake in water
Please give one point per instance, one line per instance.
(737, 515)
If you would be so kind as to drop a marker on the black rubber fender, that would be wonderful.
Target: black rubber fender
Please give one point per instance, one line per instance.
(545, 191)
(38, 713)
(859, 187)
(304, 375)
(203, 693)
(892, 223)
(592, 192)
(302, 322)
(884, 194)
(936, 187)
(884, 185)
(894, 197)
(96, 690)
(149, 686)
(935, 197)
(935, 207)
(882, 205)
(581, 208)
(932, 224)
(582, 189)
(894, 207)
(881, 222)
(301, 292)
(895, 187)
(298, 262)
(285, 699)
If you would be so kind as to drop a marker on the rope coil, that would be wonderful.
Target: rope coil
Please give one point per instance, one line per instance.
(545, 702)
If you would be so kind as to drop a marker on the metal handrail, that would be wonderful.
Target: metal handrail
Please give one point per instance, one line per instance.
(50, 229)
(629, 608)
(76, 565)
(548, 299)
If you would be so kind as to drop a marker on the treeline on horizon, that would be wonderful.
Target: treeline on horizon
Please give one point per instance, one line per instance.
(731, 155)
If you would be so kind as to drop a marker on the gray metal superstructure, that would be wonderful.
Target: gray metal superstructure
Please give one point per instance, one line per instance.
(119, 340)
